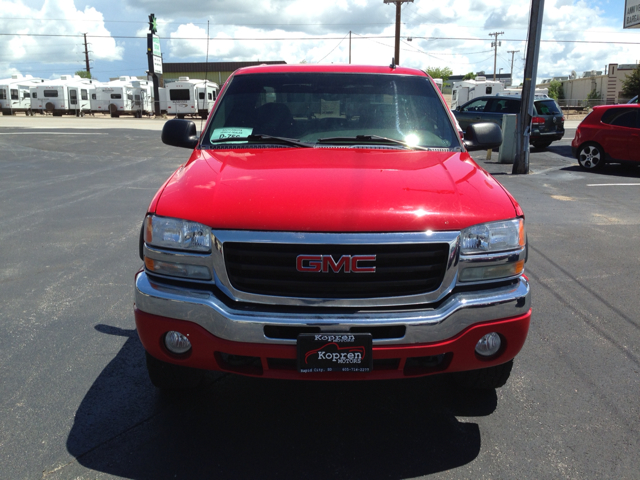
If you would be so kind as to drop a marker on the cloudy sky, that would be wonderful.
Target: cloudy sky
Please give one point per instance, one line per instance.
(45, 38)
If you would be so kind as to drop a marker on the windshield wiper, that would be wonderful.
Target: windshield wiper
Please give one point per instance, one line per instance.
(260, 136)
(370, 138)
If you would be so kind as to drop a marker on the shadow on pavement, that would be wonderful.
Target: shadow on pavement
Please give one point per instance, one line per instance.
(240, 427)
(624, 170)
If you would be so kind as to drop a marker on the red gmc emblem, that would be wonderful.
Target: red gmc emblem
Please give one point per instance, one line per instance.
(322, 263)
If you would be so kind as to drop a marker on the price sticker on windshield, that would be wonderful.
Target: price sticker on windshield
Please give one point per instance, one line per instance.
(229, 133)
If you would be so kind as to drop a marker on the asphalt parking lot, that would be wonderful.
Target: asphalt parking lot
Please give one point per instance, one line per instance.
(77, 403)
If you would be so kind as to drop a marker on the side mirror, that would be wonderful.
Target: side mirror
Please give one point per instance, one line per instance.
(482, 136)
(180, 133)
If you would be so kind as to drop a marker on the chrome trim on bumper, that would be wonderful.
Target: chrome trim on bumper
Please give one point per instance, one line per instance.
(423, 325)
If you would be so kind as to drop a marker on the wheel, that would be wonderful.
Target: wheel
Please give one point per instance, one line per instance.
(540, 144)
(180, 115)
(485, 378)
(591, 156)
(167, 376)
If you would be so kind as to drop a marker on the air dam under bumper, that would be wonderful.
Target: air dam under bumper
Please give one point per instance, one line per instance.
(435, 340)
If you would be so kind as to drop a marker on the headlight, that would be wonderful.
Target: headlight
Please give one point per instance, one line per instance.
(493, 237)
(189, 243)
(492, 251)
(177, 234)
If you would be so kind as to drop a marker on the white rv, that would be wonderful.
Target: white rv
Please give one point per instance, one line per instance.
(191, 97)
(68, 95)
(15, 95)
(123, 96)
(467, 90)
(517, 92)
(162, 93)
(143, 97)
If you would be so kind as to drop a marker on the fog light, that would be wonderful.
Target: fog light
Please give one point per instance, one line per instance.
(488, 345)
(177, 342)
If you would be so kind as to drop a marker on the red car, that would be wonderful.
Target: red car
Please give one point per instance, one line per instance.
(330, 224)
(609, 134)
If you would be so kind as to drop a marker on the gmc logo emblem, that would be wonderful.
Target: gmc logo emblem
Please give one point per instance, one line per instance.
(322, 263)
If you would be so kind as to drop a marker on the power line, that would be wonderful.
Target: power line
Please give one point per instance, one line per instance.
(555, 30)
(193, 23)
(333, 48)
(262, 39)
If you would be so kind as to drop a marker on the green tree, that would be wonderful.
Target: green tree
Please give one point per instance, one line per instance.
(84, 74)
(631, 84)
(593, 98)
(555, 90)
(437, 72)
(469, 76)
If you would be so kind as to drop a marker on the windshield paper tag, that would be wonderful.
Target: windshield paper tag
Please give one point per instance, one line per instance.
(230, 133)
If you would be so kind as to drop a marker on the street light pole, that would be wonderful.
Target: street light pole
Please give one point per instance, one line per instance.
(398, 4)
(523, 127)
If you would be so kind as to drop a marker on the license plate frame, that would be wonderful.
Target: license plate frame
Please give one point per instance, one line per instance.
(335, 352)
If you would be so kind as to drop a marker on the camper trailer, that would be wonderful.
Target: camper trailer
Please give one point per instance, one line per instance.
(15, 95)
(143, 97)
(162, 94)
(467, 90)
(123, 96)
(68, 95)
(191, 97)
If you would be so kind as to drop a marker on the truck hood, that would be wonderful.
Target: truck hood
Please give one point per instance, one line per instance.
(333, 190)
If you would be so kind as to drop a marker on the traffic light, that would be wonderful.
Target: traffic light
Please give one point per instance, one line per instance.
(153, 25)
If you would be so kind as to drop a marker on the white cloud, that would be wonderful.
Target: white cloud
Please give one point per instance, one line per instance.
(44, 32)
(447, 33)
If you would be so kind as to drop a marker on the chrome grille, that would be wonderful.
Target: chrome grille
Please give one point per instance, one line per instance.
(401, 269)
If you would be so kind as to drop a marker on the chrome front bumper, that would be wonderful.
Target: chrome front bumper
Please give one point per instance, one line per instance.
(423, 324)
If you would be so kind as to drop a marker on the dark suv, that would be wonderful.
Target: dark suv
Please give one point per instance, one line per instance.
(547, 123)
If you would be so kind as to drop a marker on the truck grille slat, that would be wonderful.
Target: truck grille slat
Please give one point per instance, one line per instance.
(270, 269)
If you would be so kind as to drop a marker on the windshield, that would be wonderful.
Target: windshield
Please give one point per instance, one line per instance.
(334, 107)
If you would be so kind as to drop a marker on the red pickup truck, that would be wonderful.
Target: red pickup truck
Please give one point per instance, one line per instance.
(331, 225)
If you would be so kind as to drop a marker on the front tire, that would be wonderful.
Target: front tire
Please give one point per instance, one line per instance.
(591, 156)
(485, 378)
(167, 376)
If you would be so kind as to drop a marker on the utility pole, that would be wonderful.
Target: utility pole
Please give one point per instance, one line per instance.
(398, 4)
(523, 126)
(86, 55)
(512, 52)
(495, 44)
(349, 47)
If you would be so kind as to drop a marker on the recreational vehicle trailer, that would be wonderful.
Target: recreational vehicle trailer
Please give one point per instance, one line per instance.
(15, 95)
(191, 97)
(162, 94)
(124, 96)
(467, 90)
(143, 97)
(68, 95)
